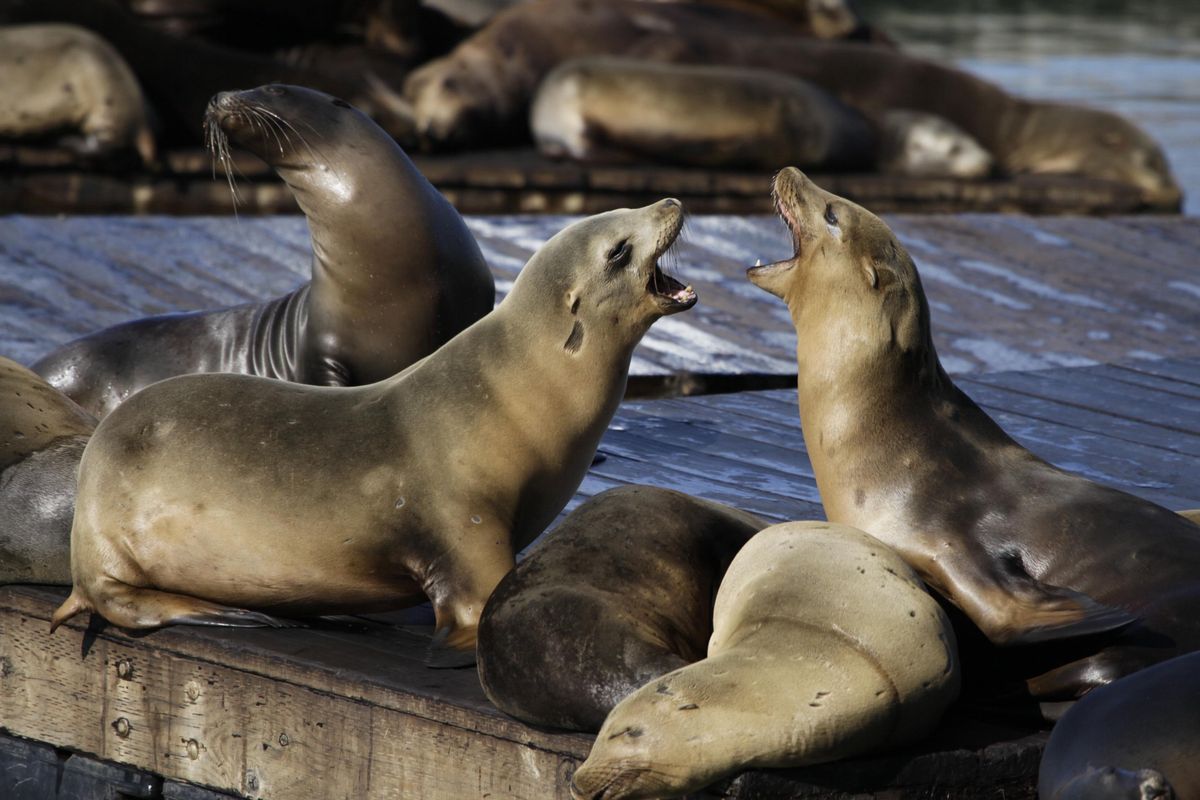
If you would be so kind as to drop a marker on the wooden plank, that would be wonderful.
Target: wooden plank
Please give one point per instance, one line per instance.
(507, 181)
(1006, 293)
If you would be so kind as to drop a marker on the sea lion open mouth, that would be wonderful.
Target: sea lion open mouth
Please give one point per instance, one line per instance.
(784, 193)
(671, 295)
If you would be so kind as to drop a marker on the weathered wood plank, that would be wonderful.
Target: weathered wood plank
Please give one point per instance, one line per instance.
(1006, 293)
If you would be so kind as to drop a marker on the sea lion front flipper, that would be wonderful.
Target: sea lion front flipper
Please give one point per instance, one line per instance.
(1012, 607)
(443, 656)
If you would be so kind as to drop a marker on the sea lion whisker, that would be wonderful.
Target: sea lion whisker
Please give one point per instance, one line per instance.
(280, 120)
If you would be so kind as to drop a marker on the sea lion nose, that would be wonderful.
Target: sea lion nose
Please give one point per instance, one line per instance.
(222, 100)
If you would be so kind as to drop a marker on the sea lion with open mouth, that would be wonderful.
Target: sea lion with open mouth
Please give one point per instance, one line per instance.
(220, 499)
(395, 272)
(1029, 552)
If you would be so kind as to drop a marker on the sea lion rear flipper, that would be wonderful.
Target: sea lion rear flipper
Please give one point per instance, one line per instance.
(1012, 607)
(135, 608)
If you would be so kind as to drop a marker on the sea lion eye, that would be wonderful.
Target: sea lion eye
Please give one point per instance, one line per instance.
(830, 217)
(620, 253)
(276, 90)
(340, 103)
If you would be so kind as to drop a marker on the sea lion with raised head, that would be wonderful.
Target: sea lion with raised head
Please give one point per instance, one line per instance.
(1135, 739)
(42, 436)
(1029, 552)
(205, 495)
(825, 645)
(395, 270)
(619, 593)
(66, 84)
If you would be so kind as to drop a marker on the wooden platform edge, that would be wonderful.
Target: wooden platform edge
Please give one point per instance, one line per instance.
(193, 717)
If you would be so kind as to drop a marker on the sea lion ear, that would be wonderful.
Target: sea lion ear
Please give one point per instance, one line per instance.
(872, 275)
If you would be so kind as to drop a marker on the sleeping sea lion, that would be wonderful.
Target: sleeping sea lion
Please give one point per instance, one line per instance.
(67, 84)
(1029, 552)
(619, 593)
(825, 645)
(481, 91)
(203, 496)
(395, 270)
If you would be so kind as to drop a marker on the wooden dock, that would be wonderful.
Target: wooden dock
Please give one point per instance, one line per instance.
(41, 181)
(354, 713)
(1098, 318)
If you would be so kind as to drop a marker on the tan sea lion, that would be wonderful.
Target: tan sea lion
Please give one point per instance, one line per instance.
(481, 91)
(619, 593)
(1029, 552)
(67, 84)
(1135, 739)
(205, 495)
(825, 645)
(606, 109)
(395, 270)
(42, 436)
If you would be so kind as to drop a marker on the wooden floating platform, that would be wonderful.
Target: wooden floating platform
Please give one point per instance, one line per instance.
(354, 713)
(1007, 292)
(40, 181)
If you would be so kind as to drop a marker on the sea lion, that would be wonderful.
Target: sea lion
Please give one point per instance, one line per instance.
(620, 109)
(42, 436)
(205, 492)
(481, 91)
(180, 73)
(825, 646)
(67, 84)
(618, 594)
(395, 270)
(1136, 739)
(1029, 552)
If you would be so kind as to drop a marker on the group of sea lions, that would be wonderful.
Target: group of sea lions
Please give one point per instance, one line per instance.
(382, 436)
(715, 83)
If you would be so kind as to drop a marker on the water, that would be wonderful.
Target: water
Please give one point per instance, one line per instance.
(1140, 59)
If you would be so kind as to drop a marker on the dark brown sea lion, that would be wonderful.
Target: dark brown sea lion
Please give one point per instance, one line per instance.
(1029, 552)
(42, 436)
(65, 83)
(395, 270)
(618, 594)
(481, 91)
(1136, 739)
(205, 495)
(825, 645)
